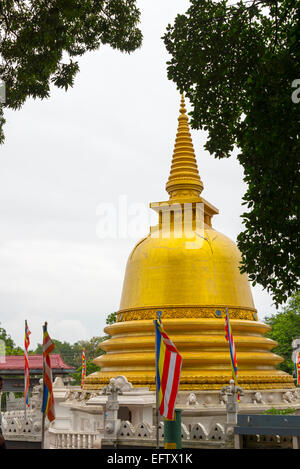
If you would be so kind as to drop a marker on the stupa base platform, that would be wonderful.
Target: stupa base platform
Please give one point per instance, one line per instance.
(130, 351)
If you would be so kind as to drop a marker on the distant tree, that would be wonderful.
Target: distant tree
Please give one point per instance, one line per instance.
(239, 64)
(92, 349)
(10, 346)
(6, 338)
(90, 368)
(111, 318)
(65, 350)
(39, 40)
(285, 327)
(72, 353)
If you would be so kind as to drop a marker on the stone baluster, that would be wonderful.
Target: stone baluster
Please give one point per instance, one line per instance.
(74, 440)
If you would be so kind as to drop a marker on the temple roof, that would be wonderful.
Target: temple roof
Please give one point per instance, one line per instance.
(14, 364)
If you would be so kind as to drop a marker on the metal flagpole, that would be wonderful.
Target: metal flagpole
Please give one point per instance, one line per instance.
(43, 417)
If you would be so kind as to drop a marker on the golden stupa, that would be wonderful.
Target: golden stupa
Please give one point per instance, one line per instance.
(190, 272)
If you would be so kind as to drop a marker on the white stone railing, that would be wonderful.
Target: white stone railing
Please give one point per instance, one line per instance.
(16, 426)
(72, 440)
(198, 432)
(64, 439)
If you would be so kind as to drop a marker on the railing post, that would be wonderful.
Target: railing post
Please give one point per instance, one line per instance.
(232, 407)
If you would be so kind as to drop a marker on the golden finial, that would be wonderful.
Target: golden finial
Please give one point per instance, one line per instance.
(184, 179)
(182, 105)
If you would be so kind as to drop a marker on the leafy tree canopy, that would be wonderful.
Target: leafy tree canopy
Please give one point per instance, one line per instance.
(237, 65)
(285, 327)
(40, 39)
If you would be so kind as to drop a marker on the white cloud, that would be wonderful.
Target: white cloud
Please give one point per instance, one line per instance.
(69, 330)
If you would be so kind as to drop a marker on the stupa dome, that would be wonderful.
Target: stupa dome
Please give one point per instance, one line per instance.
(186, 272)
(190, 272)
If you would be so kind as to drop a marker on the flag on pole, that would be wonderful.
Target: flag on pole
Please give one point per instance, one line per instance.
(48, 398)
(229, 338)
(83, 372)
(297, 367)
(26, 360)
(168, 368)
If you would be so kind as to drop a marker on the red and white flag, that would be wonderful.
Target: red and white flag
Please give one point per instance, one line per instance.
(26, 360)
(83, 372)
(48, 406)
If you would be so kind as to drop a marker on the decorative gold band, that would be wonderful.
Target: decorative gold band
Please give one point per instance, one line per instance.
(202, 382)
(199, 387)
(187, 312)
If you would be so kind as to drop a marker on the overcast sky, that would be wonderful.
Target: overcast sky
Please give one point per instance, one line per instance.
(109, 140)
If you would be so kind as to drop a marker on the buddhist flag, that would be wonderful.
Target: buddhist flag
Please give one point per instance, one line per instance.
(83, 372)
(229, 338)
(26, 360)
(297, 367)
(168, 368)
(48, 398)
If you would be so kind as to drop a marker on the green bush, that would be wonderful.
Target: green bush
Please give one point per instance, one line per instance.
(273, 411)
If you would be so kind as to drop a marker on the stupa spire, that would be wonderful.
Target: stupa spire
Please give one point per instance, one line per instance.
(184, 180)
